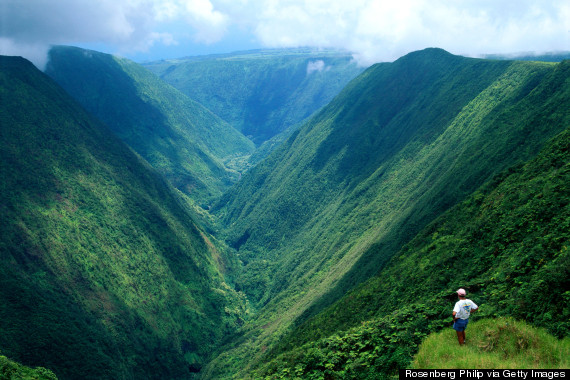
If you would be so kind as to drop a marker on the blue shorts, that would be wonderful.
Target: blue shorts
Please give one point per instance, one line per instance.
(460, 324)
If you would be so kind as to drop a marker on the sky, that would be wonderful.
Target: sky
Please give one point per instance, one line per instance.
(372, 30)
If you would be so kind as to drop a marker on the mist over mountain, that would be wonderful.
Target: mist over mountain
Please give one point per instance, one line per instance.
(145, 236)
(262, 93)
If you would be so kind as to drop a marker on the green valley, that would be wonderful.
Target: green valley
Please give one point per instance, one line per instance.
(103, 272)
(193, 148)
(262, 93)
(144, 236)
(507, 244)
(399, 146)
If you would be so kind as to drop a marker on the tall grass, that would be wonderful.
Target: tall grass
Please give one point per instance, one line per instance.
(495, 343)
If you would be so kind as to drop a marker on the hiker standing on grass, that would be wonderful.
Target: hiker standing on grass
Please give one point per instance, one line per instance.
(461, 312)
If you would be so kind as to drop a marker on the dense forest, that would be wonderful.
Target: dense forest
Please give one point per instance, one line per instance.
(104, 273)
(279, 214)
(261, 93)
(398, 147)
(193, 148)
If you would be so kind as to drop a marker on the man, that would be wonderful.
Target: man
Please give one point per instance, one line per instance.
(461, 312)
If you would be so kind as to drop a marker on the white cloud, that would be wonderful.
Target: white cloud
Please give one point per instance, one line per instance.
(126, 25)
(37, 53)
(317, 66)
(210, 24)
(379, 30)
(375, 30)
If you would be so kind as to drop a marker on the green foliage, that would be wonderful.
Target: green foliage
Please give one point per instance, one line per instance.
(375, 349)
(103, 273)
(495, 343)
(263, 92)
(378, 348)
(377, 198)
(398, 147)
(193, 148)
(10, 370)
(507, 244)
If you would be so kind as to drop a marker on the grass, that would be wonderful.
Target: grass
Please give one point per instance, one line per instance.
(494, 344)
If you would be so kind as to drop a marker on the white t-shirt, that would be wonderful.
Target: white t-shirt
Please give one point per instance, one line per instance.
(463, 308)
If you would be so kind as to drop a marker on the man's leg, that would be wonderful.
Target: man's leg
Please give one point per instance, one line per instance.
(461, 337)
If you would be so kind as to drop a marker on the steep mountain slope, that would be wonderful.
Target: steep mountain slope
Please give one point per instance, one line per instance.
(103, 274)
(400, 145)
(184, 141)
(508, 244)
(261, 92)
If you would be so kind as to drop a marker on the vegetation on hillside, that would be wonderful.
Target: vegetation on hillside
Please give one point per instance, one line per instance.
(263, 92)
(508, 244)
(398, 147)
(378, 348)
(103, 274)
(14, 371)
(193, 148)
(347, 242)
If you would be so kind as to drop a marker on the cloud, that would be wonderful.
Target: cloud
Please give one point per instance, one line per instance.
(384, 30)
(375, 30)
(210, 24)
(37, 53)
(126, 25)
(313, 66)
